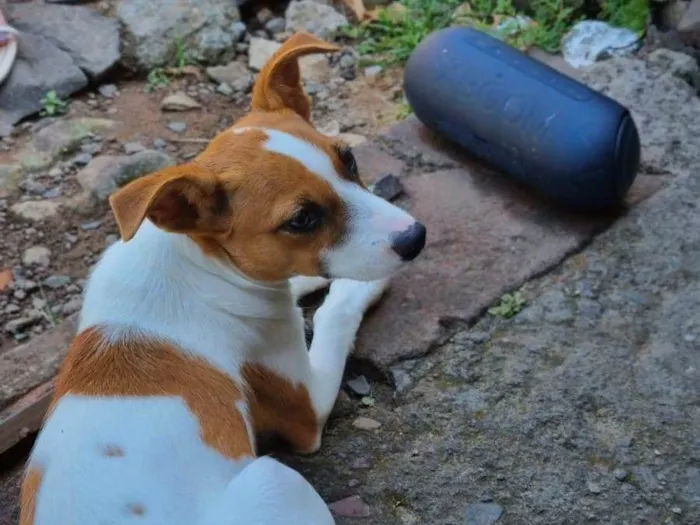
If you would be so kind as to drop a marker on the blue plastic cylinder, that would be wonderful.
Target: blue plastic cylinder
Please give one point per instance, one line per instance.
(525, 119)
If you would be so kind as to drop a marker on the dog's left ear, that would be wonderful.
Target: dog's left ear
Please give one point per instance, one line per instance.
(279, 83)
(180, 199)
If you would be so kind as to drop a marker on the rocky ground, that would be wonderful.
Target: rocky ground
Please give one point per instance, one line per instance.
(578, 406)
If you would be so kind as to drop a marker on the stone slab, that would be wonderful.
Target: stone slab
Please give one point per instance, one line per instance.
(40, 67)
(92, 40)
(485, 237)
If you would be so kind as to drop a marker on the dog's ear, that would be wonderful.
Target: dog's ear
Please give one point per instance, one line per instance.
(279, 83)
(182, 199)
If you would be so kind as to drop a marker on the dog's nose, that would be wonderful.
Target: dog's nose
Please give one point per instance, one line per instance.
(410, 242)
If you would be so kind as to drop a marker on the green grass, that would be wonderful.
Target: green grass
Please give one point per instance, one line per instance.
(509, 305)
(157, 78)
(391, 38)
(52, 105)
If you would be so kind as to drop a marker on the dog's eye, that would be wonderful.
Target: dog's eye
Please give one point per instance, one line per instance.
(348, 160)
(305, 220)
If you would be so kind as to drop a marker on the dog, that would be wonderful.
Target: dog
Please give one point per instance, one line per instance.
(190, 341)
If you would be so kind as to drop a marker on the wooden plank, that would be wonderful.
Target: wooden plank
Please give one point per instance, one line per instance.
(31, 364)
(24, 416)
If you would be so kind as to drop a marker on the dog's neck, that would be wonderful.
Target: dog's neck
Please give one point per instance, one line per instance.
(162, 284)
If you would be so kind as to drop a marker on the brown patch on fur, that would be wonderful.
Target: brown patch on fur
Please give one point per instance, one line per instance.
(113, 451)
(145, 367)
(280, 407)
(30, 493)
(136, 509)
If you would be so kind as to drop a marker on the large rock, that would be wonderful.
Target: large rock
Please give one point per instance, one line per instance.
(206, 29)
(103, 175)
(92, 40)
(59, 138)
(689, 25)
(40, 67)
(235, 74)
(318, 19)
(662, 102)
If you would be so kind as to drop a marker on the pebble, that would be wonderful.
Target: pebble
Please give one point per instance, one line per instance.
(56, 281)
(107, 90)
(12, 308)
(224, 89)
(373, 71)
(177, 127)
(72, 306)
(388, 187)
(179, 101)
(360, 386)
(131, 148)
(36, 255)
(361, 464)
(19, 295)
(365, 423)
(352, 507)
(354, 483)
(52, 193)
(275, 25)
(19, 324)
(82, 159)
(620, 474)
(482, 514)
(347, 61)
(92, 225)
(159, 144)
(594, 488)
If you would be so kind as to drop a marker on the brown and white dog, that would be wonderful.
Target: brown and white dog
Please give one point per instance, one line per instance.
(190, 340)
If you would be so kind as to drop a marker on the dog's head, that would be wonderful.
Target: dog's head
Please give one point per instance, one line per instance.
(275, 196)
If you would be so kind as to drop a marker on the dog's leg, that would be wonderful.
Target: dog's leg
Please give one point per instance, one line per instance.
(301, 286)
(335, 326)
(266, 492)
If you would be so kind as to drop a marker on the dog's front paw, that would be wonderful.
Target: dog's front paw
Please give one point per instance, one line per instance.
(354, 296)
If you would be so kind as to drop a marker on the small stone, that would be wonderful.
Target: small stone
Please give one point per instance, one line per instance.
(82, 159)
(594, 488)
(160, 144)
(361, 464)
(260, 51)
(36, 256)
(235, 74)
(332, 129)
(388, 187)
(677, 510)
(402, 381)
(482, 514)
(365, 423)
(20, 295)
(107, 90)
(12, 309)
(72, 306)
(275, 25)
(224, 89)
(93, 225)
(56, 281)
(20, 324)
(360, 386)
(352, 507)
(620, 474)
(353, 483)
(52, 193)
(179, 101)
(373, 71)
(318, 19)
(347, 61)
(130, 148)
(38, 303)
(352, 139)
(177, 127)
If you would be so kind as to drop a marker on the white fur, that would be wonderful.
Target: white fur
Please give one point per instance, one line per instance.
(162, 285)
(366, 251)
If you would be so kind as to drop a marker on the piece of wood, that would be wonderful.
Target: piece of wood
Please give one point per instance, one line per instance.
(24, 416)
(35, 362)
